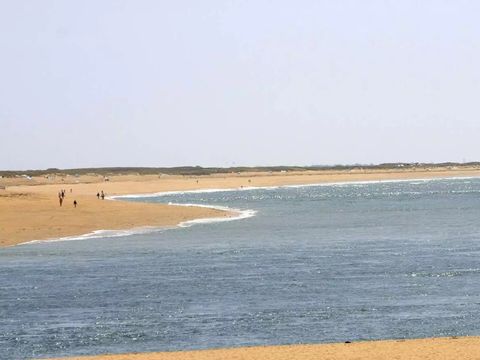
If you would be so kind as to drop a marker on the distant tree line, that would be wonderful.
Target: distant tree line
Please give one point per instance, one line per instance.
(198, 170)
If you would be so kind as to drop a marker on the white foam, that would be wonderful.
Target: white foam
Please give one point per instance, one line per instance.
(180, 192)
(240, 214)
(102, 234)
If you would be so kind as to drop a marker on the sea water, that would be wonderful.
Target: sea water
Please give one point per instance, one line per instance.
(315, 264)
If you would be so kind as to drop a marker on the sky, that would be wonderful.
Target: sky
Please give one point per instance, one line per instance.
(238, 83)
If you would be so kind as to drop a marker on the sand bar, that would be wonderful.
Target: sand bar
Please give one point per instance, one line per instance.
(463, 348)
(29, 208)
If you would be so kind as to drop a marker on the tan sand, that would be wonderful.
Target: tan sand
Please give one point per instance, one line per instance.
(29, 209)
(33, 216)
(464, 348)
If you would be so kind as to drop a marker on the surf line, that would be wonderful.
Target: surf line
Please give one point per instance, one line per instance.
(244, 214)
(241, 214)
(238, 214)
(288, 186)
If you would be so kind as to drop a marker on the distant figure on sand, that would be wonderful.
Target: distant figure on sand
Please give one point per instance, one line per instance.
(60, 198)
(103, 195)
(98, 195)
(74, 203)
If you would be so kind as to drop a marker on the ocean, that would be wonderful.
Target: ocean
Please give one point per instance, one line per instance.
(306, 264)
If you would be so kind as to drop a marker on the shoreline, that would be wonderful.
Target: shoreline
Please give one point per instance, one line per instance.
(428, 349)
(445, 348)
(45, 221)
(241, 214)
(110, 233)
(353, 182)
(51, 223)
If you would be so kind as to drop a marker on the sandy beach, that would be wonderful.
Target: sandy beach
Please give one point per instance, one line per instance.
(29, 208)
(244, 180)
(464, 348)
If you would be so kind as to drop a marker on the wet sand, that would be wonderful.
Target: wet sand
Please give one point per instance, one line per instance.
(463, 348)
(29, 208)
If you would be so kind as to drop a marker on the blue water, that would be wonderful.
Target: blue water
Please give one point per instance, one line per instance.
(316, 264)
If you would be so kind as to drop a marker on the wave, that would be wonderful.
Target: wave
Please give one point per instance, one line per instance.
(451, 273)
(180, 192)
(240, 214)
(103, 234)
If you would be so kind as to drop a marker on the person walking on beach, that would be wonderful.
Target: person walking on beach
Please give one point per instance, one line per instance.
(60, 198)
(103, 195)
(98, 195)
(75, 203)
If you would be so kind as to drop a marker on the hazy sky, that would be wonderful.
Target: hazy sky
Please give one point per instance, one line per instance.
(221, 83)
